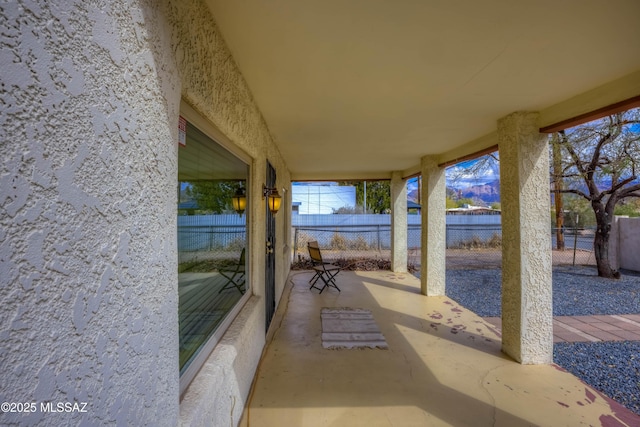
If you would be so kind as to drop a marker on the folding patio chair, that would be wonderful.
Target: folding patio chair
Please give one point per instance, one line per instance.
(314, 244)
(324, 271)
(234, 275)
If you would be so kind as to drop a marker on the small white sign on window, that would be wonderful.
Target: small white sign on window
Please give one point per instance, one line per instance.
(182, 131)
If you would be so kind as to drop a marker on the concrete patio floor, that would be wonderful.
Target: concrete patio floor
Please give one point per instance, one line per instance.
(443, 367)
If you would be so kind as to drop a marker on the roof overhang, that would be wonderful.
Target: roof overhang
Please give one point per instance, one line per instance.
(356, 90)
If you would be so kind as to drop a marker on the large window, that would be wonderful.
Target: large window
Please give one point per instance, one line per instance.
(212, 238)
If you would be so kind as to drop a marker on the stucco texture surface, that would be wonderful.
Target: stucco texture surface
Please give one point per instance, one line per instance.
(87, 200)
(90, 96)
(629, 243)
(432, 270)
(526, 259)
(399, 223)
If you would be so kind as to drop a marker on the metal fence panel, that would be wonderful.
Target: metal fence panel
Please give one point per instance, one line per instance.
(210, 237)
(470, 245)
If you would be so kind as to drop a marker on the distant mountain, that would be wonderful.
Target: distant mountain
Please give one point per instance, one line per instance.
(488, 192)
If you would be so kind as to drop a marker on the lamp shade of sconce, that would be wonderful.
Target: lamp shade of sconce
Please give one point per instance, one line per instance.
(239, 201)
(274, 202)
(273, 198)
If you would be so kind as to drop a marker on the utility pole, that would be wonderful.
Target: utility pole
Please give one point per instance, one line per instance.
(557, 191)
(365, 196)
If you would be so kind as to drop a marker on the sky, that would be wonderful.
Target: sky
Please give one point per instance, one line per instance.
(325, 197)
(457, 176)
(322, 198)
(468, 179)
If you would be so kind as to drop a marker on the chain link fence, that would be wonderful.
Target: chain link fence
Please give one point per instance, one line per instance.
(467, 246)
(208, 242)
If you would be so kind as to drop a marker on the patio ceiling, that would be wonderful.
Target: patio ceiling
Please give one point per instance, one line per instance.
(357, 89)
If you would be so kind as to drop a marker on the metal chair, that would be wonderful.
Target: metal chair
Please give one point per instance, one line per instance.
(234, 275)
(314, 244)
(323, 270)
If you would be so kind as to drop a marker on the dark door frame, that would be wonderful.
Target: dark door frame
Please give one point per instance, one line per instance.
(270, 261)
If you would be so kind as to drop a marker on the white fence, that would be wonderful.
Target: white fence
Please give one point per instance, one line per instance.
(624, 249)
(384, 219)
(373, 231)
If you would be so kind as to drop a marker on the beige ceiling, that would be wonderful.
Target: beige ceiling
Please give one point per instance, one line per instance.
(360, 88)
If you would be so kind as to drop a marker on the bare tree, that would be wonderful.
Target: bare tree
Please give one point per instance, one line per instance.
(487, 165)
(601, 163)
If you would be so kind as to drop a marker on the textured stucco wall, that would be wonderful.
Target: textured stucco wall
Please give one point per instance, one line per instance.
(628, 242)
(434, 229)
(527, 330)
(87, 212)
(90, 95)
(398, 223)
(614, 243)
(213, 86)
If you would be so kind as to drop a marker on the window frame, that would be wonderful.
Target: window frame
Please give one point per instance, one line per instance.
(209, 345)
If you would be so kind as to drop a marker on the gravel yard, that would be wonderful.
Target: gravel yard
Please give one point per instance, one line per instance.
(611, 367)
(577, 291)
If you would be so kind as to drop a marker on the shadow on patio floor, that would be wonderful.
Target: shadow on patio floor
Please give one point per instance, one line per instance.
(443, 367)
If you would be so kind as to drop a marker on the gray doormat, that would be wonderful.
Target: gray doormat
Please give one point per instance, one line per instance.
(350, 328)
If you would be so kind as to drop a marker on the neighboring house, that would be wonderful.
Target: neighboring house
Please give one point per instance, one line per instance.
(472, 210)
(413, 207)
(322, 199)
(187, 208)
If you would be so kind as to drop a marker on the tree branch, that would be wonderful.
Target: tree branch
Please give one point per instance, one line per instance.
(564, 141)
(619, 185)
(578, 192)
(630, 191)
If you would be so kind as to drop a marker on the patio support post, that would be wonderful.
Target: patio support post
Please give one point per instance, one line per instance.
(527, 320)
(433, 239)
(398, 223)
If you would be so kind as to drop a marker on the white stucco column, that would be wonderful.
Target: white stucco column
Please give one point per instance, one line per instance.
(527, 322)
(398, 223)
(433, 239)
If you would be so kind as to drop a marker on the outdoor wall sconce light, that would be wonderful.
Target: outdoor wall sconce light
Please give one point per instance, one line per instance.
(273, 198)
(239, 201)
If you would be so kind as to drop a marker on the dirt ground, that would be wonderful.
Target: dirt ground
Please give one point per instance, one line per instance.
(462, 258)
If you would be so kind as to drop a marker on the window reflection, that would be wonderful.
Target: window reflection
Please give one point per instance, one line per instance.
(211, 239)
